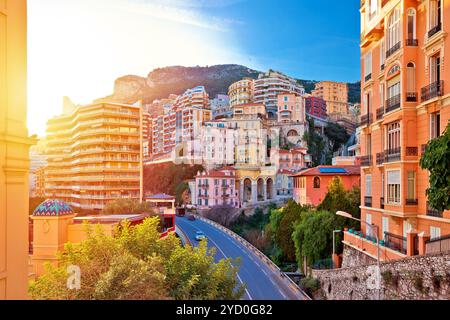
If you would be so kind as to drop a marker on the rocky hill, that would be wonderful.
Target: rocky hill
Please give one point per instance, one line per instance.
(160, 83)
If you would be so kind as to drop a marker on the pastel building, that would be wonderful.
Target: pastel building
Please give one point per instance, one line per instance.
(14, 151)
(316, 107)
(241, 92)
(335, 95)
(291, 108)
(311, 185)
(271, 84)
(294, 159)
(93, 155)
(220, 107)
(285, 184)
(406, 103)
(218, 143)
(216, 188)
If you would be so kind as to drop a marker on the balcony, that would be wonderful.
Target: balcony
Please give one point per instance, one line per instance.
(368, 77)
(412, 202)
(382, 203)
(431, 212)
(380, 113)
(368, 202)
(435, 30)
(380, 158)
(412, 42)
(411, 97)
(434, 90)
(395, 242)
(412, 151)
(393, 155)
(366, 161)
(393, 103)
(366, 120)
(393, 49)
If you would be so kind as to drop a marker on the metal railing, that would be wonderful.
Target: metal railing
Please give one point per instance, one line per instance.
(392, 155)
(395, 242)
(366, 120)
(366, 161)
(382, 203)
(412, 42)
(380, 113)
(412, 202)
(411, 97)
(438, 245)
(393, 49)
(393, 103)
(436, 89)
(431, 212)
(380, 158)
(435, 30)
(412, 151)
(368, 77)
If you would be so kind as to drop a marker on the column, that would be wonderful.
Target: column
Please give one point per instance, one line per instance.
(254, 192)
(265, 190)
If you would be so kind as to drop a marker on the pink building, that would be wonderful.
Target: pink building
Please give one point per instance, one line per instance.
(294, 159)
(216, 188)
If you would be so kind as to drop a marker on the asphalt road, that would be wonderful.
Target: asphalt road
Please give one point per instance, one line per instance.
(263, 282)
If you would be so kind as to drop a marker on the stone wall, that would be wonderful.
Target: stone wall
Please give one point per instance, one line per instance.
(353, 258)
(413, 278)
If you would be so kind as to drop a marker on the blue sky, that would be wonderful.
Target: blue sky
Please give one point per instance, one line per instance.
(77, 48)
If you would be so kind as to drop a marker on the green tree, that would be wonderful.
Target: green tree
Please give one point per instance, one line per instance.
(436, 160)
(136, 264)
(316, 143)
(128, 206)
(180, 191)
(337, 135)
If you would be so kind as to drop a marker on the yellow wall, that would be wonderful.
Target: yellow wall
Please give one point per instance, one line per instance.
(14, 147)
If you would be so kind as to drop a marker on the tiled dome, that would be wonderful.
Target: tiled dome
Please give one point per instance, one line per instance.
(53, 208)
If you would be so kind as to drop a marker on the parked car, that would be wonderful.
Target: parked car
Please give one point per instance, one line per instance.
(191, 218)
(200, 235)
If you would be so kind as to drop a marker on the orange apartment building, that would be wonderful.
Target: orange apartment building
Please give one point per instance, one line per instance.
(14, 151)
(406, 103)
(94, 154)
(335, 95)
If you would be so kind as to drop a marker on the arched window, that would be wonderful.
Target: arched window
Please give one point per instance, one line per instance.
(411, 25)
(394, 70)
(411, 82)
(393, 29)
(316, 183)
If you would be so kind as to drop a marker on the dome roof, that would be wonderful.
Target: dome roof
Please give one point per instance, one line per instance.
(53, 208)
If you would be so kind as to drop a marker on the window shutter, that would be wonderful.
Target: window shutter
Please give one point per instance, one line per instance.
(393, 177)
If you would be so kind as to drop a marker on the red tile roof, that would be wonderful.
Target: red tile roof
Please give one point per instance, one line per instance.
(351, 171)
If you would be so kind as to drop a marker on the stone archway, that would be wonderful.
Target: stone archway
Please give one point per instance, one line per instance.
(269, 189)
(247, 190)
(292, 133)
(260, 189)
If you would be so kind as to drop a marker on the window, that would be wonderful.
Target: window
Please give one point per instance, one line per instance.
(368, 65)
(286, 99)
(394, 91)
(435, 233)
(385, 225)
(393, 187)
(435, 68)
(382, 53)
(393, 136)
(373, 8)
(382, 97)
(435, 125)
(411, 24)
(435, 14)
(407, 228)
(382, 185)
(393, 30)
(316, 183)
(368, 185)
(411, 78)
(367, 102)
(368, 144)
(411, 185)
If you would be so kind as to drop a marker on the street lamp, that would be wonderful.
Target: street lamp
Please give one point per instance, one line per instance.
(349, 216)
(334, 246)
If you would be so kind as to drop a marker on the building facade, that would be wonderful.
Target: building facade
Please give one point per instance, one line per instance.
(406, 103)
(220, 107)
(316, 106)
(216, 188)
(94, 155)
(241, 92)
(291, 108)
(335, 95)
(311, 186)
(271, 84)
(14, 151)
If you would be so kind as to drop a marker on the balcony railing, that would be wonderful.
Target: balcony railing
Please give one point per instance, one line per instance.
(393, 155)
(438, 245)
(411, 97)
(393, 103)
(412, 151)
(368, 77)
(436, 89)
(368, 201)
(366, 120)
(435, 30)
(380, 113)
(366, 161)
(395, 242)
(412, 42)
(431, 212)
(393, 49)
(380, 158)
(412, 202)
(381, 203)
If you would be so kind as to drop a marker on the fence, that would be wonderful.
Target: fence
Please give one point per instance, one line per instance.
(438, 245)
(258, 253)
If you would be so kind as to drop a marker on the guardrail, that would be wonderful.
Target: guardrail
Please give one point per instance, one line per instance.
(255, 250)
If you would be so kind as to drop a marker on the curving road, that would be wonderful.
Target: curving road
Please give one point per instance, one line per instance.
(263, 281)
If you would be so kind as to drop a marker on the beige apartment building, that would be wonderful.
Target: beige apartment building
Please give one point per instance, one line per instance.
(335, 95)
(94, 155)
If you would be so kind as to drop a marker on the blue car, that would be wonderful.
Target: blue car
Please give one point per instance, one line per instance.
(199, 236)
